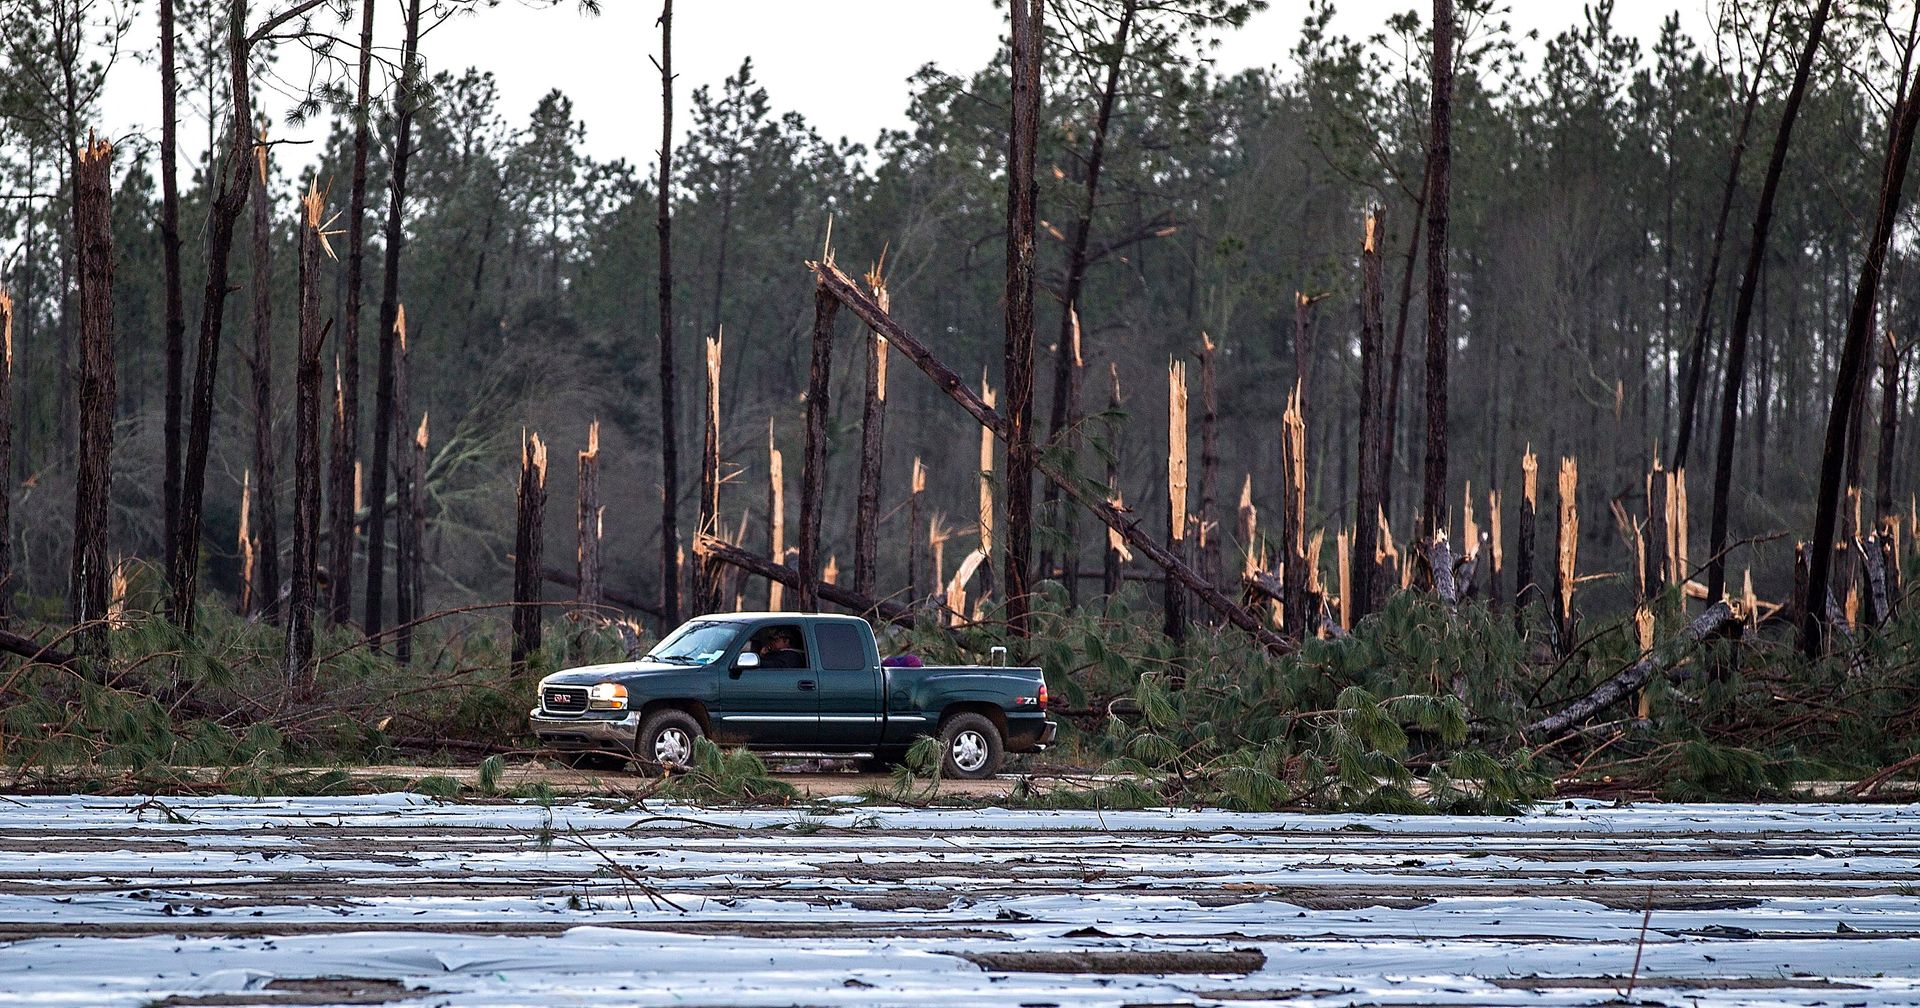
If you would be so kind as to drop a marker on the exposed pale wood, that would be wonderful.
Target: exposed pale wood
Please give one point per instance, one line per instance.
(707, 592)
(917, 487)
(244, 541)
(776, 520)
(1293, 519)
(1175, 595)
(984, 516)
(1343, 557)
(1566, 550)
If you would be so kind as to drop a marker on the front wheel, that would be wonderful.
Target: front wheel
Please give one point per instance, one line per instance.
(971, 747)
(666, 741)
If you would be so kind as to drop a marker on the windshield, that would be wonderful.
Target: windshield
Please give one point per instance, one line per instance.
(696, 644)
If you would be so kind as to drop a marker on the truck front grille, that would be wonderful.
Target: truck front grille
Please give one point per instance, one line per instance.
(564, 701)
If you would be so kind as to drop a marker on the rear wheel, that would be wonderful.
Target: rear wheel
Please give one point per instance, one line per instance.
(666, 741)
(971, 747)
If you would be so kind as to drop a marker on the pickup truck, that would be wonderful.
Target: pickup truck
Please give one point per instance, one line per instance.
(825, 693)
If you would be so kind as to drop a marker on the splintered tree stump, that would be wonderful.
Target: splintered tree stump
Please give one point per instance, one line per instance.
(302, 595)
(528, 536)
(813, 466)
(93, 475)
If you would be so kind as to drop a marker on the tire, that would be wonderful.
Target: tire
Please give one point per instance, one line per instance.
(971, 747)
(665, 742)
(593, 761)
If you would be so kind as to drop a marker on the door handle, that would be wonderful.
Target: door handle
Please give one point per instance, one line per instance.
(806, 684)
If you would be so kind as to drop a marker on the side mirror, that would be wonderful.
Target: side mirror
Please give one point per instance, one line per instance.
(746, 660)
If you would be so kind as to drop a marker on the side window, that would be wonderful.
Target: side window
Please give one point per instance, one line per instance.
(780, 647)
(841, 647)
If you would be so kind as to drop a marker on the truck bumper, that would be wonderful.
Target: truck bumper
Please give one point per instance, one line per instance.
(613, 734)
(1030, 734)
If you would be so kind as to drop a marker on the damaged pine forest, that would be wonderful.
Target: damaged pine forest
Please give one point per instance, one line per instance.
(1440, 416)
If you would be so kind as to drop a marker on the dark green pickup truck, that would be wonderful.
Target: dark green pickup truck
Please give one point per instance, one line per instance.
(788, 684)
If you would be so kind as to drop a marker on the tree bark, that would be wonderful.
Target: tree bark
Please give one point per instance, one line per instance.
(1115, 553)
(708, 576)
(1523, 583)
(266, 513)
(346, 432)
(1889, 429)
(873, 421)
(1295, 603)
(176, 310)
(1853, 355)
(813, 468)
(1022, 193)
(529, 534)
(669, 403)
(7, 585)
(93, 477)
(1434, 488)
(1367, 501)
(301, 598)
(724, 552)
(1736, 367)
(406, 106)
(588, 529)
(1209, 465)
(1390, 423)
(403, 544)
(837, 286)
(221, 218)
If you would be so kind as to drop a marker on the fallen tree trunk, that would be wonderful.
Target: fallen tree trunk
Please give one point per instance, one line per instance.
(713, 548)
(33, 651)
(1710, 622)
(949, 381)
(625, 600)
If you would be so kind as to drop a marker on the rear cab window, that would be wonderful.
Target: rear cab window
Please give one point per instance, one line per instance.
(842, 647)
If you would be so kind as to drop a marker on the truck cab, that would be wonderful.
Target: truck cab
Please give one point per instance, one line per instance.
(788, 684)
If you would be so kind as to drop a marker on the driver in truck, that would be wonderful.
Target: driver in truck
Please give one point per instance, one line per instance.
(777, 651)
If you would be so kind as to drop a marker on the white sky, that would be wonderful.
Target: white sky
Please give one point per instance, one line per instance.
(843, 64)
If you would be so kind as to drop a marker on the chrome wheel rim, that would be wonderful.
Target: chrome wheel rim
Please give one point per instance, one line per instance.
(673, 746)
(969, 750)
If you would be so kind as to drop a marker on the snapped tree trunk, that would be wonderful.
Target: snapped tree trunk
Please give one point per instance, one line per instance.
(1566, 553)
(301, 597)
(529, 533)
(1116, 552)
(1209, 465)
(1176, 595)
(1022, 193)
(403, 544)
(709, 575)
(346, 432)
(1716, 618)
(265, 511)
(6, 454)
(1367, 502)
(669, 404)
(1523, 583)
(1736, 368)
(1853, 355)
(813, 467)
(873, 421)
(406, 106)
(589, 524)
(1295, 604)
(776, 518)
(93, 476)
(1440, 154)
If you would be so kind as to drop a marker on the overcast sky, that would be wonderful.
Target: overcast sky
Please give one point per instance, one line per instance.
(843, 64)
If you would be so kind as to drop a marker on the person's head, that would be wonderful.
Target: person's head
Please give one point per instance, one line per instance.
(779, 640)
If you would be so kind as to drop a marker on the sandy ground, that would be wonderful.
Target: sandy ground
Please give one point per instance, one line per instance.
(812, 782)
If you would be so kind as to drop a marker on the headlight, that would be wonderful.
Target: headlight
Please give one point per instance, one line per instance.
(607, 696)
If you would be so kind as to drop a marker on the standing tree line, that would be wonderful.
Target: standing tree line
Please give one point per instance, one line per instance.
(1553, 231)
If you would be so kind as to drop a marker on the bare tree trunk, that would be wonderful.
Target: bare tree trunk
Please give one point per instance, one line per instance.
(93, 477)
(346, 432)
(301, 600)
(406, 106)
(873, 421)
(1889, 429)
(708, 574)
(1736, 369)
(669, 402)
(1209, 465)
(1697, 359)
(813, 468)
(1390, 424)
(403, 544)
(176, 318)
(529, 533)
(588, 523)
(7, 585)
(266, 520)
(1066, 404)
(1440, 152)
(1115, 552)
(1853, 354)
(415, 570)
(1655, 550)
(776, 519)
(222, 216)
(1367, 503)
(1022, 193)
(1523, 583)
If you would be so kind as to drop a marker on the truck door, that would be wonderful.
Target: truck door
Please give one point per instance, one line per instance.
(849, 687)
(776, 705)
